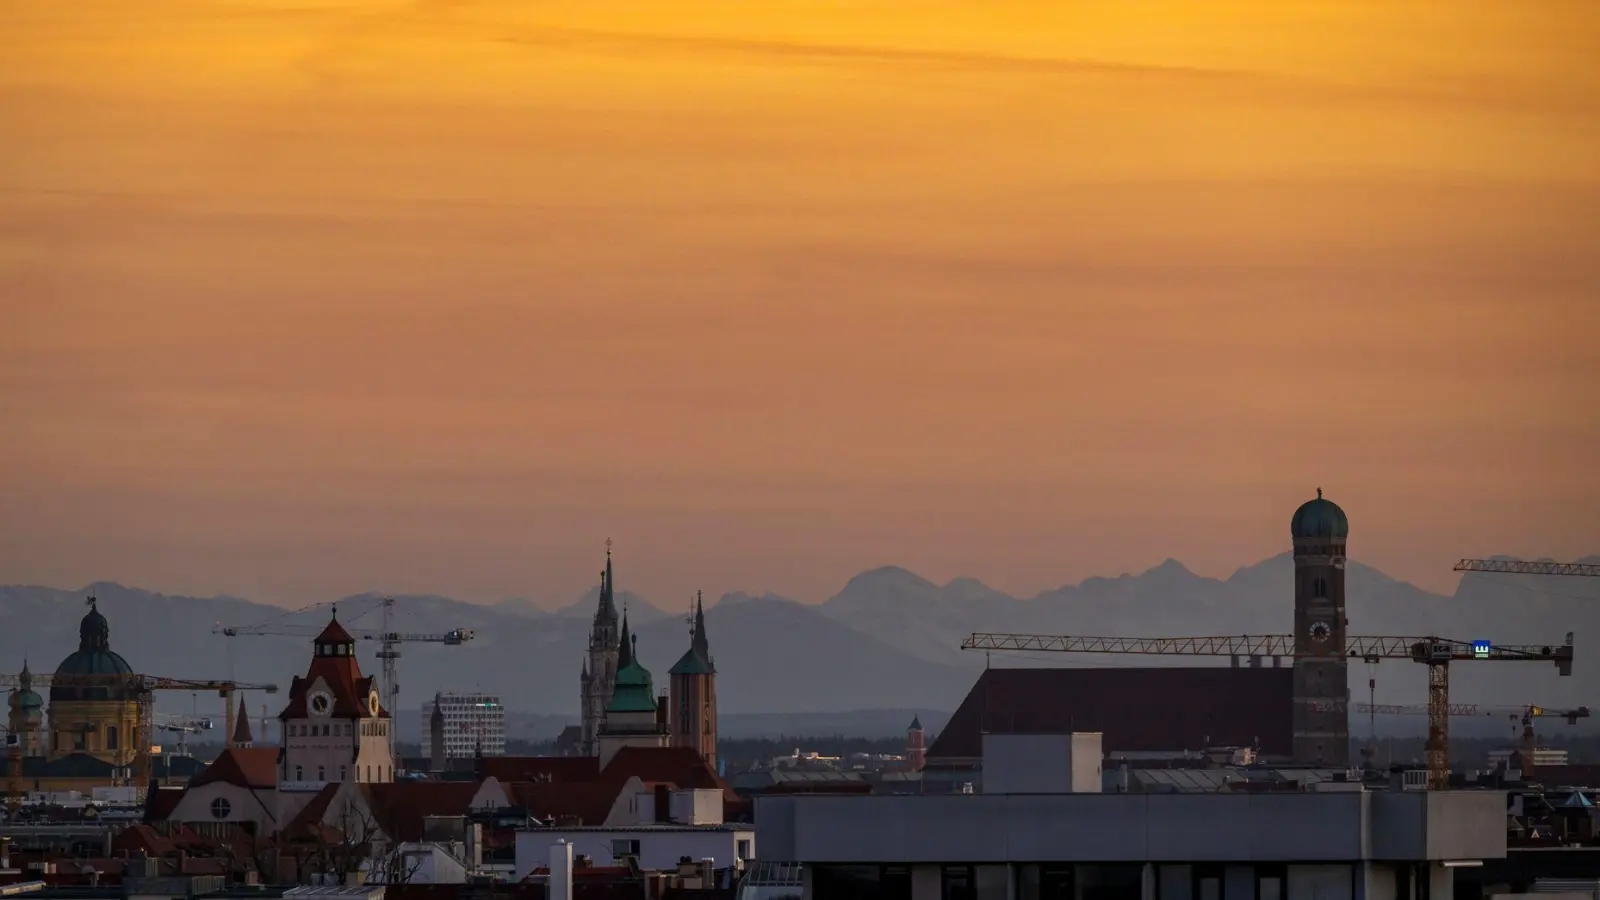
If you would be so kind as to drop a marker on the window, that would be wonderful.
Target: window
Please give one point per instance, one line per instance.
(342, 774)
(78, 741)
(299, 774)
(744, 848)
(322, 774)
(624, 847)
(1319, 588)
(220, 808)
(111, 737)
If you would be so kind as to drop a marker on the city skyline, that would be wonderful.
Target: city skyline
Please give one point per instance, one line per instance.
(435, 298)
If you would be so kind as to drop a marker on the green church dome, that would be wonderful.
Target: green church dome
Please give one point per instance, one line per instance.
(634, 691)
(25, 699)
(94, 656)
(1319, 518)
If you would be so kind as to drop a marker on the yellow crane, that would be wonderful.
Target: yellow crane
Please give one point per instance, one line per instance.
(1434, 652)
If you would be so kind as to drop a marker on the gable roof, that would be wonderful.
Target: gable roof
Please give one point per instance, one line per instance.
(399, 807)
(247, 767)
(1134, 709)
(563, 769)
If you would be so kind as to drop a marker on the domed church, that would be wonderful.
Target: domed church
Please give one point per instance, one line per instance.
(99, 720)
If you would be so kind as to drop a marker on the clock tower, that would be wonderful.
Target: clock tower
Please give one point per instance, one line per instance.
(334, 726)
(1321, 668)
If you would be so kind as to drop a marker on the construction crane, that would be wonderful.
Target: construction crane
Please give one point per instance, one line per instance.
(1518, 567)
(1519, 714)
(1527, 715)
(143, 689)
(388, 639)
(183, 727)
(1434, 652)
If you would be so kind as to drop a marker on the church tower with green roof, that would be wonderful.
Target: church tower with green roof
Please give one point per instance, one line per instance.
(693, 713)
(633, 718)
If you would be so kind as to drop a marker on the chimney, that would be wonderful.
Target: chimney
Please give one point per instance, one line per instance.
(560, 884)
(661, 712)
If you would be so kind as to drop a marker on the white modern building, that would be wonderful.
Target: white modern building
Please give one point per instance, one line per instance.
(471, 721)
(1055, 834)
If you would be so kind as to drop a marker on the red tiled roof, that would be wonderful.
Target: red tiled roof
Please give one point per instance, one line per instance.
(538, 768)
(307, 823)
(248, 767)
(343, 677)
(334, 634)
(1135, 709)
(399, 808)
(585, 801)
(159, 804)
(680, 766)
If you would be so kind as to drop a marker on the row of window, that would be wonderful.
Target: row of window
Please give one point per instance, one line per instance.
(80, 739)
(385, 773)
(339, 729)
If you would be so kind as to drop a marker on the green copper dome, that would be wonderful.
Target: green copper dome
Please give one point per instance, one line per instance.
(94, 656)
(25, 699)
(1319, 518)
(634, 691)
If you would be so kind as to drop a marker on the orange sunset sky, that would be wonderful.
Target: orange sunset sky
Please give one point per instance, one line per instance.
(299, 299)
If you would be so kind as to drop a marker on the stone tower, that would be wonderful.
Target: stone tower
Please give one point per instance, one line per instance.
(1321, 668)
(599, 677)
(693, 714)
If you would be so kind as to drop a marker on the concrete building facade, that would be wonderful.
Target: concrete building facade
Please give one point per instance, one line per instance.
(1352, 845)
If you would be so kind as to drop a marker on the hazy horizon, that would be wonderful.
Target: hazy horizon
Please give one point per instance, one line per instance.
(305, 299)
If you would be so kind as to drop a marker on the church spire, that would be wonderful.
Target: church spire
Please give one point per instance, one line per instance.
(625, 653)
(241, 726)
(699, 644)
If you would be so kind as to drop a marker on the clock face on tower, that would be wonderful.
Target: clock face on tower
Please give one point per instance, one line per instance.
(1321, 631)
(372, 703)
(321, 703)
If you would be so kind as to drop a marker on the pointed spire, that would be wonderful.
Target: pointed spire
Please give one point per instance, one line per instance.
(609, 599)
(625, 652)
(25, 678)
(700, 644)
(241, 726)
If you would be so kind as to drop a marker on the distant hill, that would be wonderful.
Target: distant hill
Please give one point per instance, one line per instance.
(887, 641)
